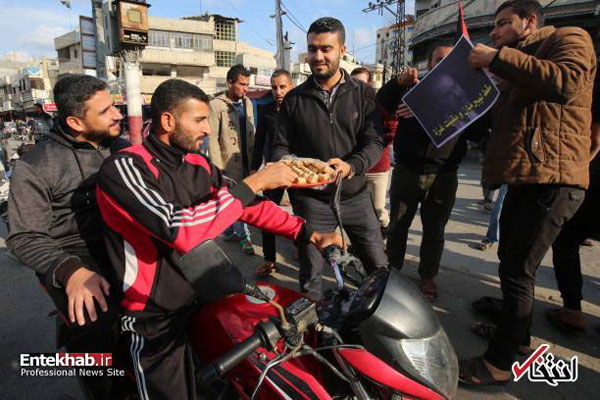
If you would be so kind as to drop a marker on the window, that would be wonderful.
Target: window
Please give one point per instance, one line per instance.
(224, 58)
(74, 53)
(225, 30)
(203, 42)
(265, 72)
(64, 54)
(183, 40)
(159, 38)
(156, 71)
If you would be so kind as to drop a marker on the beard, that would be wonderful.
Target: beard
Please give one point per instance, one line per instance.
(98, 136)
(325, 74)
(183, 141)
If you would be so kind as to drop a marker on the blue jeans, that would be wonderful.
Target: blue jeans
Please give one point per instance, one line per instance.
(240, 229)
(493, 232)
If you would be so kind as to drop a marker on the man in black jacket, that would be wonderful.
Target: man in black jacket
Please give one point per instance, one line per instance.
(55, 224)
(281, 84)
(423, 174)
(332, 117)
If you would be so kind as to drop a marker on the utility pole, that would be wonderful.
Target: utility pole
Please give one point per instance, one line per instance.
(280, 58)
(100, 40)
(128, 35)
(131, 67)
(399, 44)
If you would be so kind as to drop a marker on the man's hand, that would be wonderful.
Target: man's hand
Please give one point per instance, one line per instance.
(324, 239)
(482, 56)
(82, 288)
(409, 77)
(340, 166)
(404, 112)
(273, 176)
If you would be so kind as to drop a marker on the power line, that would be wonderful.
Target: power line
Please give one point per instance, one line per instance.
(292, 18)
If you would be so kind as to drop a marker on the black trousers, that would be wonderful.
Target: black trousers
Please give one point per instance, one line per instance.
(99, 336)
(360, 223)
(531, 220)
(164, 362)
(436, 193)
(269, 248)
(565, 250)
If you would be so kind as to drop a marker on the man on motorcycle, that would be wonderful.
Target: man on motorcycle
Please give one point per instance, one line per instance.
(160, 200)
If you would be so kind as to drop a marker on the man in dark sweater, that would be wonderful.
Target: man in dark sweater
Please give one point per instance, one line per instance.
(281, 83)
(55, 224)
(333, 117)
(423, 175)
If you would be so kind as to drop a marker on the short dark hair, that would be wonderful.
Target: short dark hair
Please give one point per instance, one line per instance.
(279, 72)
(436, 46)
(72, 90)
(362, 70)
(328, 25)
(525, 9)
(236, 71)
(170, 94)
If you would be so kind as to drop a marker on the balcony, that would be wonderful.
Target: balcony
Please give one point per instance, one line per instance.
(480, 13)
(178, 57)
(7, 105)
(34, 95)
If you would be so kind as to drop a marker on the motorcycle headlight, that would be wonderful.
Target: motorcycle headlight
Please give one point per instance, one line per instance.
(434, 360)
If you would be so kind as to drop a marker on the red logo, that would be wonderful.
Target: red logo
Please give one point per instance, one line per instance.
(541, 366)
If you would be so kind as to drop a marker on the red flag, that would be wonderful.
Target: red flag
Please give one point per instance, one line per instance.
(461, 27)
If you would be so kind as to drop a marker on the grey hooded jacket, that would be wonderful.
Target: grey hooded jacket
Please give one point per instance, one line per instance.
(55, 226)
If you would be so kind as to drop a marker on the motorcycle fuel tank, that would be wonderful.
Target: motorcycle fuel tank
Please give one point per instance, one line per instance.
(218, 326)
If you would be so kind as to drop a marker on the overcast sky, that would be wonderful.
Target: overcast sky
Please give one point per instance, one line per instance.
(29, 26)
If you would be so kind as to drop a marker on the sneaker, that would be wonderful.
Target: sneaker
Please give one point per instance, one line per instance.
(265, 270)
(247, 246)
(232, 238)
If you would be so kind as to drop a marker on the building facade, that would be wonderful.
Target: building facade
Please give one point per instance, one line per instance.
(437, 20)
(199, 50)
(29, 85)
(386, 41)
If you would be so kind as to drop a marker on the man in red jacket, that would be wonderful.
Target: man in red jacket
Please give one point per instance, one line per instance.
(161, 199)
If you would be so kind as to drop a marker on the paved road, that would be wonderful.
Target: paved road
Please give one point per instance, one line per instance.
(465, 275)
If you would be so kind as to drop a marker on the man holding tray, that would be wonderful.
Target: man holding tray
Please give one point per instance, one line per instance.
(332, 117)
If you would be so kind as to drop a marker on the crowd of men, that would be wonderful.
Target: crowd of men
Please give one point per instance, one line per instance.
(112, 221)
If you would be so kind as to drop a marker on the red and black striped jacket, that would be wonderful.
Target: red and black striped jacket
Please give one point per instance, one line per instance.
(158, 203)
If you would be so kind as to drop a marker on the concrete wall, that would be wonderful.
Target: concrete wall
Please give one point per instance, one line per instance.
(181, 25)
(178, 56)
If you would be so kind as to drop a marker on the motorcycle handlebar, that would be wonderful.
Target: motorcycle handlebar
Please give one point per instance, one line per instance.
(333, 253)
(265, 334)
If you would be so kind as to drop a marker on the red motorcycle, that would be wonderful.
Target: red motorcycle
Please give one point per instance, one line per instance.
(381, 341)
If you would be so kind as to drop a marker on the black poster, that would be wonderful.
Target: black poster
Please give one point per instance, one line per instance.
(451, 96)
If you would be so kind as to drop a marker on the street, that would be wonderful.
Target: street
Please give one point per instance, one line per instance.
(465, 275)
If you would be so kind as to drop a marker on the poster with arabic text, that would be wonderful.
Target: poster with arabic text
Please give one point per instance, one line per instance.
(451, 96)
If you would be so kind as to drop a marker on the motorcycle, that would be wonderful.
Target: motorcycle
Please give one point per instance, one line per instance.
(379, 341)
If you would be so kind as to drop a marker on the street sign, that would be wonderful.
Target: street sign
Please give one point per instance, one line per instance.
(87, 42)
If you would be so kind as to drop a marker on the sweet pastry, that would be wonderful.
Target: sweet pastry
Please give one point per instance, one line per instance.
(309, 170)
